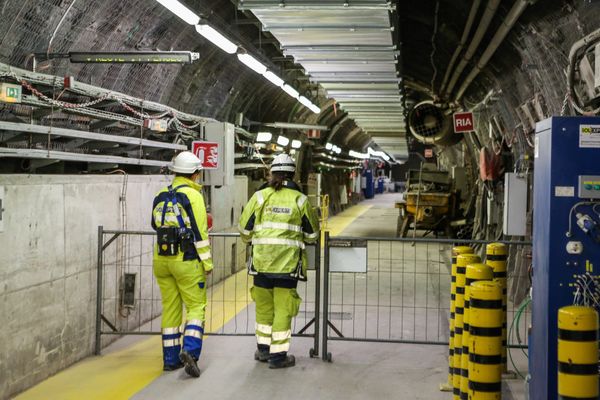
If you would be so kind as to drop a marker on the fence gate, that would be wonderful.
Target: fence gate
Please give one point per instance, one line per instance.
(398, 289)
(129, 301)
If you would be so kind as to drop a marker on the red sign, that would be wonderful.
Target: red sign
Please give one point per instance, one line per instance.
(208, 153)
(428, 153)
(313, 134)
(463, 122)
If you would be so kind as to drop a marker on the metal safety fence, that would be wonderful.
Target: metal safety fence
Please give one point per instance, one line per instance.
(129, 300)
(398, 289)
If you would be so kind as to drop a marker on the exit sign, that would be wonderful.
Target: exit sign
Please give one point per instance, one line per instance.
(463, 122)
(10, 93)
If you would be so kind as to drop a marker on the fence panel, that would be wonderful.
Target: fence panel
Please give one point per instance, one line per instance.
(129, 300)
(404, 295)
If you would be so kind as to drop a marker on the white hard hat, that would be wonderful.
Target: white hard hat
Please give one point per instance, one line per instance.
(283, 163)
(185, 163)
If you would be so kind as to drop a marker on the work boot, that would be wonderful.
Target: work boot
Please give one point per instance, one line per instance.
(172, 367)
(262, 356)
(191, 366)
(288, 361)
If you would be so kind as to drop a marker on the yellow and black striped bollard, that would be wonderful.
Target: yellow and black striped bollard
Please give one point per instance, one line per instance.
(577, 353)
(447, 387)
(496, 254)
(485, 341)
(475, 273)
(462, 261)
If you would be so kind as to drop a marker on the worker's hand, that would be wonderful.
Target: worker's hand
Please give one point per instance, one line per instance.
(208, 272)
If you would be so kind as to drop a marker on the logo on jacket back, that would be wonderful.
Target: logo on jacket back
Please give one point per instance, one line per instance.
(278, 210)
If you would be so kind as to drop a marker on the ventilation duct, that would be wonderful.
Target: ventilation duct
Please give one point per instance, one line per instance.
(431, 124)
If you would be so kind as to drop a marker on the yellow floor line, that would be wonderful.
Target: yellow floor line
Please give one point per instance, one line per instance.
(337, 224)
(121, 374)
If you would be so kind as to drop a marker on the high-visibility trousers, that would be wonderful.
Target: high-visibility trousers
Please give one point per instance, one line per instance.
(181, 282)
(275, 308)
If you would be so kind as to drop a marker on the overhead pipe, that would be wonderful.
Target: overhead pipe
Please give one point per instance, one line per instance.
(584, 43)
(463, 42)
(486, 19)
(510, 20)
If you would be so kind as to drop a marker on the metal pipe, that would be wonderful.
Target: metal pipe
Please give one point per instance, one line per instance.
(510, 20)
(98, 345)
(325, 355)
(486, 19)
(575, 49)
(463, 41)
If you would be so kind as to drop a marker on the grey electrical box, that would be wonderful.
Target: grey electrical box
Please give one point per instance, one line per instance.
(222, 133)
(128, 297)
(515, 205)
(589, 187)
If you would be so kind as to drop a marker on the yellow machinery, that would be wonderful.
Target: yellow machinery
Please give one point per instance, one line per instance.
(429, 203)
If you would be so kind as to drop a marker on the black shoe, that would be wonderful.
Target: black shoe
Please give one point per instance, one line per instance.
(261, 356)
(288, 361)
(172, 367)
(191, 367)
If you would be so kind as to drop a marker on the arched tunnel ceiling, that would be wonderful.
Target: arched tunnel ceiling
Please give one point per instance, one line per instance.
(425, 34)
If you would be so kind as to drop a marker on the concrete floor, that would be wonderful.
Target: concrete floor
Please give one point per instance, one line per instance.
(403, 296)
(400, 298)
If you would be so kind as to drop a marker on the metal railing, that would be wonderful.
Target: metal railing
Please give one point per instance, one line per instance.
(403, 295)
(129, 301)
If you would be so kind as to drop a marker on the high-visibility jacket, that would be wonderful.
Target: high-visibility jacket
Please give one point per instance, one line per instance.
(279, 223)
(191, 207)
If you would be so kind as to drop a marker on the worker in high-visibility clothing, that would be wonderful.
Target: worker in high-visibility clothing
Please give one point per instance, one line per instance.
(278, 220)
(182, 259)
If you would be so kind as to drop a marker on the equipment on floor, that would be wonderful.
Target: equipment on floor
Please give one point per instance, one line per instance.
(566, 183)
(430, 202)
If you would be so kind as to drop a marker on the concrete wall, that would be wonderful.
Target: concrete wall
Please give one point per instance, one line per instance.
(48, 266)
(48, 256)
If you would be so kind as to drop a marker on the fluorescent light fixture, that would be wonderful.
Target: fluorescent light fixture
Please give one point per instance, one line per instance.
(336, 149)
(264, 136)
(283, 141)
(216, 38)
(356, 154)
(296, 144)
(329, 146)
(291, 91)
(252, 63)
(274, 79)
(305, 102)
(181, 11)
(315, 109)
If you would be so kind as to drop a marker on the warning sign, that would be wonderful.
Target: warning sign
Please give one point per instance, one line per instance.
(463, 122)
(589, 136)
(208, 153)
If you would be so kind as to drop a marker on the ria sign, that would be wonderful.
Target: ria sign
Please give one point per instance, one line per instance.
(463, 122)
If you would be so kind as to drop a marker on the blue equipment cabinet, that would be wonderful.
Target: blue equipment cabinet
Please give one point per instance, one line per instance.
(567, 171)
(370, 189)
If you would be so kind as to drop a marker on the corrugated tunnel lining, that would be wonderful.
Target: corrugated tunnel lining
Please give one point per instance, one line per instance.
(348, 48)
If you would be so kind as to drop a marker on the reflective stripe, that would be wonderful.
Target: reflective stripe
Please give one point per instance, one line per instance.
(202, 243)
(170, 218)
(171, 343)
(285, 242)
(313, 235)
(278, 348)
(196, 322)
(204, 256)
(170, 331)
(266, 329)
(194, 333)
(243, 231)
(278, 225)
(301, 201)
(285, 335)
(263, 340)
(259, 198)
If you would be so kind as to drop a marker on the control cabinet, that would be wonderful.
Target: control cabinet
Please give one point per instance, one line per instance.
(566, 254)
